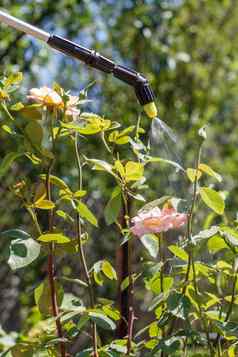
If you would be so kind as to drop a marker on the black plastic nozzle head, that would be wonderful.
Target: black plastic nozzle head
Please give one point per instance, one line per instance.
(144, 94)
(144, 91)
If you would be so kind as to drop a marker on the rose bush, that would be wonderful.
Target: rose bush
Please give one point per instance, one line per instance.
(188, 278)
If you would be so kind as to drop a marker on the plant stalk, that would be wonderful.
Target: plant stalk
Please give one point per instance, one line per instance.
(81, 250)
(161, 254)
(51, 265)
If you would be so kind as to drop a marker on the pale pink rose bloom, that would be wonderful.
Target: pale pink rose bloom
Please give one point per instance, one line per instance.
(157, 220)
(46, 96)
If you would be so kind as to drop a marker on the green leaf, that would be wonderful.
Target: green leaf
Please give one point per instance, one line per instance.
(102, 320)
(178, 305)
(64, 215)
(108, 270)
(165, 161)
(31, 112)
(7, 162)
(16, 107)
(120, 347)
(178, 252)
(230, 234)
(42, 295)
(57, 182)
(85, 353)
(86, 213)
(100, 165)
(212, 199)
(231, 352)
(34, 133)
(154, 329)
(22, 249)
(193, 174)
(119, 168)
(97, 267)
(111, 312)
(92, 124)
(44, 204)
(168, 345)
(22, 350)
(79, 193)
(151, 243)
(154, 284)
(15, 234)
(82, 322)
(133, 171)
(58, 238)
(113, 206)
(75, 281)
(209, 171)
(14, 78)
(23, 252)
(155, 203)
(216, 243)
(206, 233)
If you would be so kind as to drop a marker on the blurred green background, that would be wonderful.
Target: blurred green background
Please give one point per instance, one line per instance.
(188, 51)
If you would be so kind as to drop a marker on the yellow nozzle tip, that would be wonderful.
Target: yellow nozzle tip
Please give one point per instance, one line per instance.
(151, 110)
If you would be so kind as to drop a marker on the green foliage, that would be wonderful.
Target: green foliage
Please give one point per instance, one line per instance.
(58, 238)
(212, 199)
(21, 250)
(42, 295)
(186, 288)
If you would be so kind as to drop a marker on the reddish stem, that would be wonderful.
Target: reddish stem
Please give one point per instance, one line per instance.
(54, 303)
(51, 268)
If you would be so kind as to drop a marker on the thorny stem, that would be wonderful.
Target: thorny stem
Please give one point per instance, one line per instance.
(191, 263)
(81, 249)
(51, 265)
(189, 232)
(161, 254)
(233, 295)
(131, 314)
(229, 311)
(206, 329)
(190, 220)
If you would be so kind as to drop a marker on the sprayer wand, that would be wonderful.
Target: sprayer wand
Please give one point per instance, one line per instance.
(92, 58)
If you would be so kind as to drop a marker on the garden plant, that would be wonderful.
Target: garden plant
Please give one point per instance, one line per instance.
(172, 287)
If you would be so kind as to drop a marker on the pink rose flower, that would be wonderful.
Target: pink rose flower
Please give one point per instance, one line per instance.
(157, 220)
(51, 98)
(46, 96)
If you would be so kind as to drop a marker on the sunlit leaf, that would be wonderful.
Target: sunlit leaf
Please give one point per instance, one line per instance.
(212, 199)
(209, 171)
(165, 161)
(151, 243)
(108, 270)
(42, 295)
(179, 252)
(22, 249)
(57, 182)
(113, 206)
(86, 213)
(54, 237)
(102, 320)
(193, 174)
(14, 78)
(133, 171)
(44, 204)
(216, 243)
